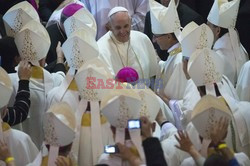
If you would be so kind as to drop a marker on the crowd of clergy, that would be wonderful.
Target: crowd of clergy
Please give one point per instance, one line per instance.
(124, 83)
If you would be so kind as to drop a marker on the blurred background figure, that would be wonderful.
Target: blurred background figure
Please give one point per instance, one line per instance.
(137, 9)
(9, 54)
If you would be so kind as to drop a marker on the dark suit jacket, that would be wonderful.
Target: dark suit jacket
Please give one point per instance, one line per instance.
(6, 4)
(8, 53)
(200, 6)
(47, 7)
(56, 34)
(153, 152)
(204, 7)
(186, 15)
(243, 24)
(2, 28)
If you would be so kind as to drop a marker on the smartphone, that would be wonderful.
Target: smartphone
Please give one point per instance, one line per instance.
(111, 149)
(134, 124)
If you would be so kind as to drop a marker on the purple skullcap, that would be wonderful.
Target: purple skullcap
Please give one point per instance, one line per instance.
(127, 74)
(70, 9)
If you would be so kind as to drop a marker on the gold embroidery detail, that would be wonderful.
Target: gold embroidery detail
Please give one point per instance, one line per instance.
(203, 41)
(76, 59)
(123, 113)
(211, 120)
(28, 51)
(87, 93)
(18, 24)
(49, 132)
(144, 108)
(211, 75)
(175, 51)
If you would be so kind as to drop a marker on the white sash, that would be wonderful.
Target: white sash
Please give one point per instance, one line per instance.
(79, 113)
(135, 135)
(119, 137)
(210, 89)
(235, 42)
(96, 142)
(64, 86)
(53, 154)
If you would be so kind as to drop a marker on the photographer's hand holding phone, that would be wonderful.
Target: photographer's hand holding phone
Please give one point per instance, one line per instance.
(126, 154)
(146, 128)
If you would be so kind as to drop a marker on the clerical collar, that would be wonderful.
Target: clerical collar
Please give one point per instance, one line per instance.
(177, 45)
(115, 40)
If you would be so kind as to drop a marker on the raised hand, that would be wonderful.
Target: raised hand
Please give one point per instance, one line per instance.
(59, 52)
(63, 161)
(146, 128)
(185, 143)
(24, 70)
(219, 131)
(126, 154)
(4, 151)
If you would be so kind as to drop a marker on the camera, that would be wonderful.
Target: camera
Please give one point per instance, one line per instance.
(134, 124)
(111, 149)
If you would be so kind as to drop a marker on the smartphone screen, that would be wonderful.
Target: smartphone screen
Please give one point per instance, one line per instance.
(134, 124)
(110, 149)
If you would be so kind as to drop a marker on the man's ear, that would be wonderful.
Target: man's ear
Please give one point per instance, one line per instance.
(153, 125)
(217, 31)
(108, 26)
(42, 62)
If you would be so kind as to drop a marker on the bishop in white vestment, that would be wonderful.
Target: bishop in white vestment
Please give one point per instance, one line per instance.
(222, 18)
(33, 43)
(167, 35)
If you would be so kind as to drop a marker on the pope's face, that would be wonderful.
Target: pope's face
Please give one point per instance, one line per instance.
(120, 25)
